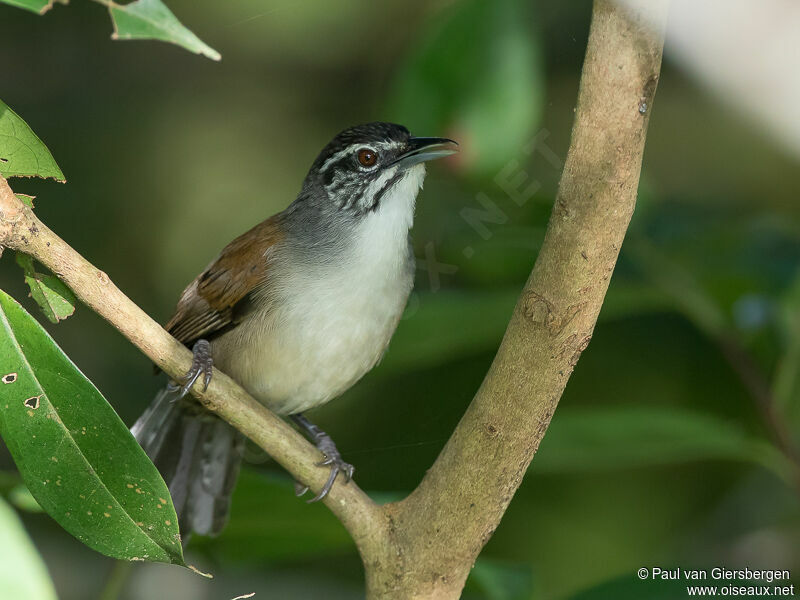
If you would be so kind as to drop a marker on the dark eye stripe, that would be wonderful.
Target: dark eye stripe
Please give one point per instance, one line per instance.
(355, 196)
(379, 195)
(330, 173)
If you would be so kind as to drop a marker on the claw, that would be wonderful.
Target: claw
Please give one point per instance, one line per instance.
(191, 378)
(299, 489)
(327, 487)
(331, 457)
(202, 364)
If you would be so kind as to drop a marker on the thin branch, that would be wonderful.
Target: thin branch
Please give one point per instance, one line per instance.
(21, 230)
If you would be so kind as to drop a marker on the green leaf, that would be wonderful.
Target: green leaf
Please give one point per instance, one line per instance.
(152, 20)
(22, 572)
(500, 580)
(37, 6)
(22, 154)
(54, 298)
(618, 437)
(26, 199)
(74, 453)
(476, 76)
(288, 529)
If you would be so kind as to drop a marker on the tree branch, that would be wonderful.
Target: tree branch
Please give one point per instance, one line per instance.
(425, 545)
(442, 526)
(21, 230)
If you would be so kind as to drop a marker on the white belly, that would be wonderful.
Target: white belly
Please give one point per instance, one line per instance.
(300, 356)
(328, 324)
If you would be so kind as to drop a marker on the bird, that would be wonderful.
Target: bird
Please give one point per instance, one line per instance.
(296, 310)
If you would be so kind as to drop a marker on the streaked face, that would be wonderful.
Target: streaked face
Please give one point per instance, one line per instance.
(362, 165)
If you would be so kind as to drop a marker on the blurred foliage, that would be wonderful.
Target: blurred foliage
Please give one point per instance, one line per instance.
(786, 381)
(476, 74)
(501, 581)
(21, 497)
(658, 453)
(22, 572)
(621, 437)
(631, 588)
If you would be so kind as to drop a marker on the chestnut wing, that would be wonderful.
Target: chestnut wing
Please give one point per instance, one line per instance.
(213, 302)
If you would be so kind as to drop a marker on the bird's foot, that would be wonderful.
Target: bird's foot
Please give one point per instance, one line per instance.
(202, 364)
(332, 459)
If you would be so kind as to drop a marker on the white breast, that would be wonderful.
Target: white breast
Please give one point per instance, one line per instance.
(333, 322)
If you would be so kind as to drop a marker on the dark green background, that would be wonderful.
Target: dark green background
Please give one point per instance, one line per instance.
(168, 156)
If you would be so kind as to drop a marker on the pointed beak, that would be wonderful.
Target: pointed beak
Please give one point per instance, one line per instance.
(421, 149)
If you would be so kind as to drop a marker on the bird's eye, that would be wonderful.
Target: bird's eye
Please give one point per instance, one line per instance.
(367, 157)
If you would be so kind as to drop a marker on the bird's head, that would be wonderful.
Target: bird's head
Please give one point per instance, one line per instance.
(363, 165)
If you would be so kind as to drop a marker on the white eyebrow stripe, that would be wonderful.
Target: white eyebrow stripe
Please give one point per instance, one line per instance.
(338, 156)
(352, 148)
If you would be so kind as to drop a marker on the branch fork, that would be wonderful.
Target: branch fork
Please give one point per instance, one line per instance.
(425, 545)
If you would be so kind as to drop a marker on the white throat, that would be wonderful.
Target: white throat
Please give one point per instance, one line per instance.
(381, 238)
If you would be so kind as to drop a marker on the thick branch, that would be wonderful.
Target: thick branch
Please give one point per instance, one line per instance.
(21, 230)
(443, 525)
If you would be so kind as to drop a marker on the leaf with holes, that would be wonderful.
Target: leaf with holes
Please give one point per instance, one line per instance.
(74, 453)
(53, 297)
(152, 20)
(22, 154)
